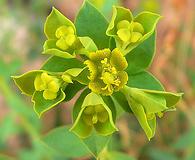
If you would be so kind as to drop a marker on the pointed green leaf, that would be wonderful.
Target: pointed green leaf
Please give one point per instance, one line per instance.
(171, 98)
(83, 77)
(146, 103)
(25, 82)
(152, 103)
(65, 143)
(90, 22)
(121, 102)
(140, 58)
(51, 48)
(42, 105)
(144, 80)
(58, 64)
(74, 71)
(139, 112)
(72, 89)
(54, 21)
(88, 46)
(148, 20)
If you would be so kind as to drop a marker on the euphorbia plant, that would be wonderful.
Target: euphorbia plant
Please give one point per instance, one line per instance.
(107, 61)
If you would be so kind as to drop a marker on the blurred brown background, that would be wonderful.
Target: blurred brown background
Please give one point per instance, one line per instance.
(21, 40)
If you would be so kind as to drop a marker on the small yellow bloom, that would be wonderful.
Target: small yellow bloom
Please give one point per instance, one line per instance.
(106, 71)
(66, 37)
(48, 84)
(129, 32)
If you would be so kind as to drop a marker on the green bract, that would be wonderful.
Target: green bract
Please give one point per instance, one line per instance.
(61, 35)
(130, 31)
(92, 112)
(108, 61)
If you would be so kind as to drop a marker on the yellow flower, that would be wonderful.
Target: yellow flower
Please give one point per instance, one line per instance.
(48, 84)
(106, 71)
(66, 37)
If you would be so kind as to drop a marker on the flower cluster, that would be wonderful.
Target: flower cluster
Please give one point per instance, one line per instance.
(106, 71)
(107, 62)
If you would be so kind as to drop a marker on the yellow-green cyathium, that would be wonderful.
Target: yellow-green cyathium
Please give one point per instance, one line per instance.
(129, 31)
(61, 35)
(93, 114)
(106, 71)
(50, 85)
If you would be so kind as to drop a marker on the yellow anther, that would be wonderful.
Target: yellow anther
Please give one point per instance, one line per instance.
(117, 82)
(113, 70)
(95, 119)
(95, 114)
(108, 87)
(104, 61)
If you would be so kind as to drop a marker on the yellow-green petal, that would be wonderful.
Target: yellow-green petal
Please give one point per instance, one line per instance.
(61, 31)
(124, 34)
(61, 44)
(137, 27)
(118, 60)
(49, 95)
(136, 36)
(70, 39)
(123, 24)
(100, 54)
(38, 83)
(92, 69)
(53, 86)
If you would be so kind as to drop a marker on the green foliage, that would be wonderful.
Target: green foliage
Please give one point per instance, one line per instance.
(109, 60)
(65, 143)
(91, 23)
